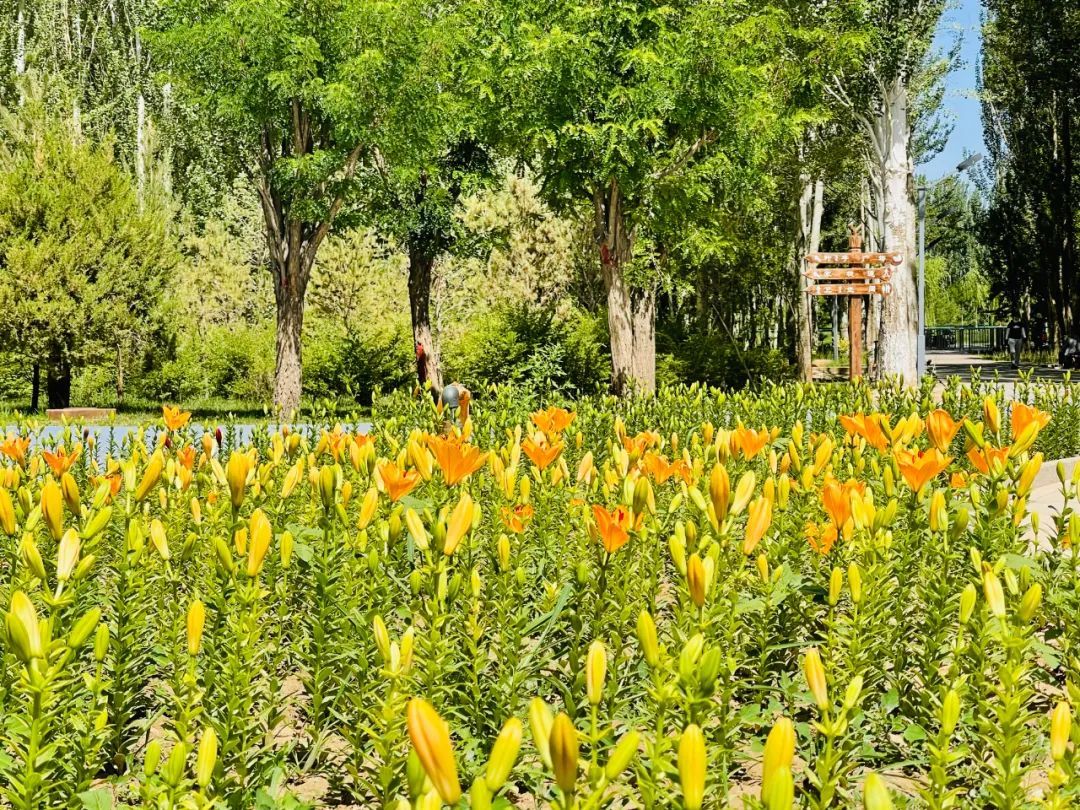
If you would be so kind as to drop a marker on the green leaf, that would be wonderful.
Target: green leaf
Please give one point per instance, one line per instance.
(97, 799)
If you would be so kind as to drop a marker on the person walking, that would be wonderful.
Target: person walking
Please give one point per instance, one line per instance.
(1016, 334)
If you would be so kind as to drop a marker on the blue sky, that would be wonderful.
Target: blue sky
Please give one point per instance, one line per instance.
(961, 105)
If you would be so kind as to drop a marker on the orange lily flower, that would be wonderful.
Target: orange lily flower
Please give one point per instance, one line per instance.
(942, 428)
(988, 458)
(186, 457)
(637, 445)
(919, 467)
(16, 448)
(661, 469)
(398, 482)
(958, 480)
(517, 518)
(836, 498)
(174, 417)
(552, 420)
(869, 427)
(456, 458)
(748, 441)
(60, 461)
(333, 441)
(540, 452)
(1023, 415)
(613, 527)
(821, 541)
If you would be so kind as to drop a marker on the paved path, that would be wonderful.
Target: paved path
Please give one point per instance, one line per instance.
(958, 364)
(1046, 499)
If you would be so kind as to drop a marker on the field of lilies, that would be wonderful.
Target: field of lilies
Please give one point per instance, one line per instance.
(819, 597)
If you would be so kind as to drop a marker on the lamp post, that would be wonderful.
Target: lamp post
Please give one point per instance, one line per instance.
(920, 352)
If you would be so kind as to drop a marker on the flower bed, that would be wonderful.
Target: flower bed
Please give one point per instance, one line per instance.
(824, 597)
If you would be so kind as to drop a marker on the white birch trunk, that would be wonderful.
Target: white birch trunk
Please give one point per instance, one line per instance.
(20, 43)
(899, 317)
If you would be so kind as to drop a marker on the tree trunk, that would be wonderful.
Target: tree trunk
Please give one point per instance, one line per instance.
(644, 322)
(804, 346)
(872, 243)
(58, 381)
(631, 311)
(20, 43)
(119, 375)
(899, 317)
(290, 286)
(810, 209)
(428, 366)
(35, 388)
(140, 148)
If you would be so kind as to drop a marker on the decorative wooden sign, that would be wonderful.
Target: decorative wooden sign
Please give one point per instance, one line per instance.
(847, 273)
(855, 257)
(862, 288)
(853, 274)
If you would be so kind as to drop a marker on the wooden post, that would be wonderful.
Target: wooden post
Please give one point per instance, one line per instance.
(855, 305)
(855, 336)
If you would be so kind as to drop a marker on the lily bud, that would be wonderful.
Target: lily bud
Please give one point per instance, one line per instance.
(7, 513)
(288, 542)
(950, 711)
(503, 754)
(502, 551)
(939, 515)
(563, 746)
(540, 723)
(781, 794)
(743, 490)
(23, 628)
(695, 579)
(259, 532)
(207, 758)
(31, 557)
(67, 555)
(416, 529)
(720, 491)
(779, 752)
(430, 738)
(1030, 603)
(677, 547)
(967, 603)
(815, 678)
(52, 508)
(368, 507)
(1060, 730)
(151, 475)
(854, 576)
(595, 672)
(620, 758)
(327, 486)
(992, 415)
(692, 762)
(159, 539)
(236, 472)
(646, 633)
(875, 794)
(836, 583)
(995, 597)
(459, 524)
(70, 490)
(196, 620)
(762, 563)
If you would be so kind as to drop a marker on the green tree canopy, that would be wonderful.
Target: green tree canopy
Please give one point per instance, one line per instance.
(82, 262)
